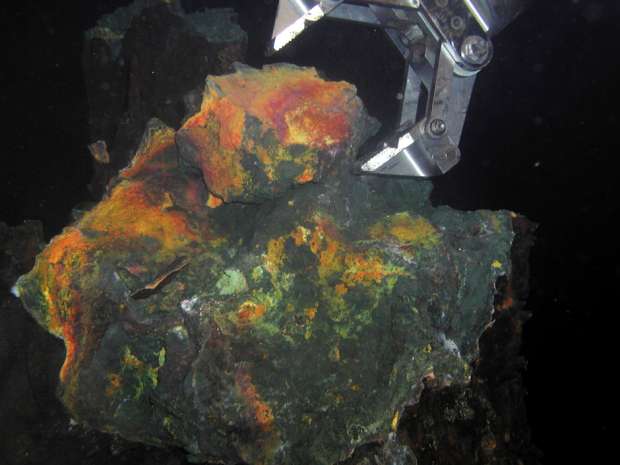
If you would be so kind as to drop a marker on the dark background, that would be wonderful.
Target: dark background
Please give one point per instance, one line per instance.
(540, 139)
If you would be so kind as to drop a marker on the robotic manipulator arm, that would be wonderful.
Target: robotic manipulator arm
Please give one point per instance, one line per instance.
(445, 44)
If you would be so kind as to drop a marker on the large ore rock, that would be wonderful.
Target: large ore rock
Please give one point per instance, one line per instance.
(240, 294)
(146, 60)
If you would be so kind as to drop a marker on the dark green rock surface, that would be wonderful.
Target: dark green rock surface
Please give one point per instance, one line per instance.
(296, 330)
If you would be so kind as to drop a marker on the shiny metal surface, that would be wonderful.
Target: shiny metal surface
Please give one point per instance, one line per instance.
(495, 15)
(445, 44)
(476, 50)
(293, 17)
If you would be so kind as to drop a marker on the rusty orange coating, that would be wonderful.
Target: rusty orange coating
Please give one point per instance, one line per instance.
(341, 289)
(152, 159)
(230, 119)
(115, 382)
(274, 258)
(56, 267)
(311, 313)
(250, 311)
(406, 230)
(262, 413)
(296, 103)
(306, 176)
(213, 201)
(130, 213)
(139, 206)
(300, 235)
(221, 168)
(298, 106)
(364, 270)
(63, 261)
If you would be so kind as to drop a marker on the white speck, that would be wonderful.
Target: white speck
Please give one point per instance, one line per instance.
(15, 291)
(189, 304)
(449, 345)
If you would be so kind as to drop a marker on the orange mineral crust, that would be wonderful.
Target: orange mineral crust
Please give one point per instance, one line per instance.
(152, 157)
(336, 258)
(239, 293)
(153, 214)
(135, 210)
(55, 270)
(260, 131)
(261, 412)
(260, 418)
(301, 107)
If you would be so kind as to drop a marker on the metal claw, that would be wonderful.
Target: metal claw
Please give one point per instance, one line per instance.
(445, 44)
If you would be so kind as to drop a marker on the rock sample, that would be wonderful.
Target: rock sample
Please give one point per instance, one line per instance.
(483, 422)
(146, 60)
(258, 133)
(240, 294)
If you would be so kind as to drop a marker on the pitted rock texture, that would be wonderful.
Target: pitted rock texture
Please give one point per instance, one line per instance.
(240, 294)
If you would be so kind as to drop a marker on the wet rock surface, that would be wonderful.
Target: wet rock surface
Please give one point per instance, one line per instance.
(239, 294)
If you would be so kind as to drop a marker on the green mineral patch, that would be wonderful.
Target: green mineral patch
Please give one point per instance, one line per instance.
(257, 273)
(231, 282)
(141, 375)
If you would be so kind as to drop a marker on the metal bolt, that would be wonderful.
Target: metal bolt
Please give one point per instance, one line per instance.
(452, 155)
(448, 158)
(457, 23)
(476, 50)
(418, 50)
(437, 127)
